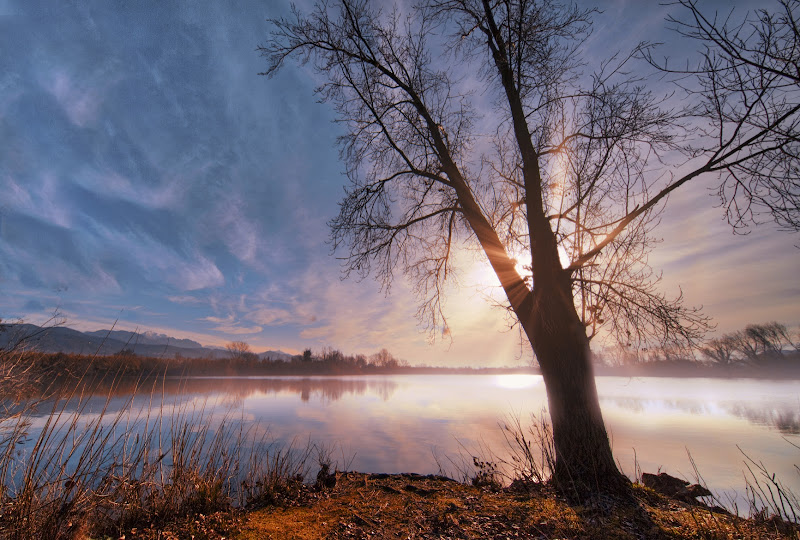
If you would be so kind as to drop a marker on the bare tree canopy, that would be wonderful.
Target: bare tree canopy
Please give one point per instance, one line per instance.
(542, 163)
(744, 88)
(238, 349)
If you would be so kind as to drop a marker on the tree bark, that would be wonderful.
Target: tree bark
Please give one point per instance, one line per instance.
(584, 462)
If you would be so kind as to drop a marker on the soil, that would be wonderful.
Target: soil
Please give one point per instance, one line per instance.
(410, 506)
(414, 506)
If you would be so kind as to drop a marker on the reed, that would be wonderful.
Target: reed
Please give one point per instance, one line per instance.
(767, 495)
(527, 458)
(70, 467)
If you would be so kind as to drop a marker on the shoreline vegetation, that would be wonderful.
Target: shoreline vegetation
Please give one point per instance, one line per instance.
(49, 367)
(85, 470)
(177, 472)
(764, 351)
(76, 463)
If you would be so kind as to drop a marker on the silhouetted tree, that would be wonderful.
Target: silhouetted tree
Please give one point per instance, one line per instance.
(573, 167)
(238, 349)
(745, 89)
(720, 350)
(758, 340)
(307, 355)
(384, 359)
(360, 361)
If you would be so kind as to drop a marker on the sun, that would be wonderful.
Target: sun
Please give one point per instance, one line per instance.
(483, 275)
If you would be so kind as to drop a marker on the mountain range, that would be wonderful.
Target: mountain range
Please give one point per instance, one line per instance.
(106, 342)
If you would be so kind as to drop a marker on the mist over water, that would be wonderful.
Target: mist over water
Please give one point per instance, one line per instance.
(405, 423)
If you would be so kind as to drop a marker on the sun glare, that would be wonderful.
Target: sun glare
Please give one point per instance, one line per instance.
(563, 257)
(483, 274)
(517, 380)
(483, 277)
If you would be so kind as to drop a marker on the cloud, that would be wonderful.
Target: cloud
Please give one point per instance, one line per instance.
(80, 96)
(185, 300)
(112, 184)
(274, 316)
(185, 271)
(41, 198)
(229, 325)
(39, 254)
(238, 329)
(240, 233)
(218, 319)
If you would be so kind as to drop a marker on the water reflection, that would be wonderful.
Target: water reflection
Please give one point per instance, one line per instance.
(397, 423)
(234, 390)
(786, 420)
(780, 414)
(324, 389)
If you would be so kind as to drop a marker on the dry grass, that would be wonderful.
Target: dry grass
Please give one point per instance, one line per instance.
(414, 506)
(70, 468)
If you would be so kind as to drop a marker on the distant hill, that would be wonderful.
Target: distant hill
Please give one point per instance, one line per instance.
(144, 338)
(275, 355)
(107, 342)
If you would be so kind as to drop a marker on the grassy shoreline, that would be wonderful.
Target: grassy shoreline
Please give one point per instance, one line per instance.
(361, 505)
(174, 471)
(186, 479)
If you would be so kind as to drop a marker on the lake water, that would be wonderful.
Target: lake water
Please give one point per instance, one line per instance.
(400, 423)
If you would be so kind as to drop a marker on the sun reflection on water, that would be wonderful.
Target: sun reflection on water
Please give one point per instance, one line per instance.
(517, 380)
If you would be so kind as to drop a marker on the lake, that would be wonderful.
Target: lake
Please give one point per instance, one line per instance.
(417, 423)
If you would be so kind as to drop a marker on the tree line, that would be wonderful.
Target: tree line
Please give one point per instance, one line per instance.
(328, 360)
(763, 344)
(758, 346)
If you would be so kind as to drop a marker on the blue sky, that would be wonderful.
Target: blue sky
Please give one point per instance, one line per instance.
(149, 176)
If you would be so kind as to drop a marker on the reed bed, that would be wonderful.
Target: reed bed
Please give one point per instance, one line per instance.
(71, 468)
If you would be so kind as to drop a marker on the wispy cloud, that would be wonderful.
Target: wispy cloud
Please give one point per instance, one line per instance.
(183, 299)
(41, 198)
(238, 330)
(229, 325)
(240, 232)
(81, 98)
(160, 263)
(167, 193)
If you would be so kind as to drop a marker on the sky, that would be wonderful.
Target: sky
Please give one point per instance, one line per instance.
(152, 180)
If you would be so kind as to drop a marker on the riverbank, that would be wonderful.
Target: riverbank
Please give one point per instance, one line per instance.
(159, 460)
(414, 506)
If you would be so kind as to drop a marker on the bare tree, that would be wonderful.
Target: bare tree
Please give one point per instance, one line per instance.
(759, 340)
(721, 350)
(773, 336)
(238, 349)
(744, 88)
(384, 359)
(569, 168)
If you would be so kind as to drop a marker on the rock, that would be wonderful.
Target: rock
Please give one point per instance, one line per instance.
(664, 483)
(325, 478)
(674, 487)
(695, 490)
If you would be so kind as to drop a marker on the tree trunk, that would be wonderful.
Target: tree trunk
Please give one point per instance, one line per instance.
(584, 462)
